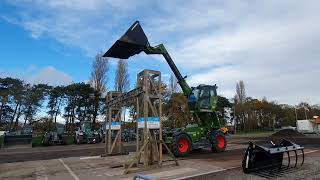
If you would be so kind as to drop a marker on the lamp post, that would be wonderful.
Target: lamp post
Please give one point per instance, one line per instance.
(305, 112)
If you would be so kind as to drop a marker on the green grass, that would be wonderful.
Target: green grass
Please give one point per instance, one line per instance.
(69, 140)
(37, 141)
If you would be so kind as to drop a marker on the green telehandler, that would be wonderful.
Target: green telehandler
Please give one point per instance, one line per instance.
(202, 100)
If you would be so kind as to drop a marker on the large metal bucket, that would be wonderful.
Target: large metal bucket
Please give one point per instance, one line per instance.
(131, 43)
(270, 156)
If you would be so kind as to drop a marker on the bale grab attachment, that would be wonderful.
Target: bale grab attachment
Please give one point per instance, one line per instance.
(270, 156)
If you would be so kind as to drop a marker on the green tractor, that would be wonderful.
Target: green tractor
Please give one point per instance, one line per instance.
(202, 100)
(85, 134)
(54, 137)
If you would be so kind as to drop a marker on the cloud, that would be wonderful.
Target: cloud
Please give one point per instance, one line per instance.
(34, 75)
(87, 25)
(272, 45)
(50, 75)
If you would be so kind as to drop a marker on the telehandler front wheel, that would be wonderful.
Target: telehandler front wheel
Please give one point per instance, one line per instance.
(181, 145)
(218, 141)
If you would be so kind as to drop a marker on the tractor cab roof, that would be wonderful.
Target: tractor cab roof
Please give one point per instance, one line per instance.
(204, 86)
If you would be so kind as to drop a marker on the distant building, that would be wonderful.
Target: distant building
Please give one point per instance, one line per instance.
(316, 119)
(309, 125)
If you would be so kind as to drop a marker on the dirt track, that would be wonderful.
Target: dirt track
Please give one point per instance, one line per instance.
(54, 152)
(201, 164)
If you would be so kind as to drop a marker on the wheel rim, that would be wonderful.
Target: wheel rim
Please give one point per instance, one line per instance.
(183, 145)
(220, 142)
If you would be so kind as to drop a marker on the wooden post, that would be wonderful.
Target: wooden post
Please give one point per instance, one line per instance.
(137, 131)
(160, 129)
(145, 115)
(120, 131)
(109, 130)
(146, 139)
(137, 118)
(105, 130)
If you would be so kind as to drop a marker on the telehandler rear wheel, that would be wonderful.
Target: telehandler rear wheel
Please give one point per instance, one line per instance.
(181, 145)
(218, 141)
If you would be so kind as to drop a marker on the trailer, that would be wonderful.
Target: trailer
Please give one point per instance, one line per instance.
(306, 126)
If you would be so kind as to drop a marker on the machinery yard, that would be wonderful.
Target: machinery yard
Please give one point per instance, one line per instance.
(84, 162)
(249, 110)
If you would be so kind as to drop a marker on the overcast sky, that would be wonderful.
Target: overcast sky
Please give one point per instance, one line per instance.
(274, 46)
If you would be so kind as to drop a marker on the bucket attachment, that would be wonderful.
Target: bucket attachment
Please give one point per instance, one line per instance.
(131, 43)
(270, 156)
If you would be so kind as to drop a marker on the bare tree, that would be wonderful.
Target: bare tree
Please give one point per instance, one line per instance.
(98, 81)
(240, 108)
(99, 71)
(173, 84)
(122, 77)
(240, 96)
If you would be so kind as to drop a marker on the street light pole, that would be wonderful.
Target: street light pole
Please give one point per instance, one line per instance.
(295, 111)
(305, 112)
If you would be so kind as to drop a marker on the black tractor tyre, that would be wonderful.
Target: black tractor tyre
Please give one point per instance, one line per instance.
(181, 145)
(98, 139)
(75, 138)
(79, 139)
(63, 141)
(218, 141)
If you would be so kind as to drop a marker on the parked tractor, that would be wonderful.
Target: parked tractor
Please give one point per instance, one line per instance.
(102, 131)
(202, 100)
(18, 137)
(85, 134)
(54, 137)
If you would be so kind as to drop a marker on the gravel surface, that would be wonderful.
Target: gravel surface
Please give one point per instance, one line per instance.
(287, 133)
(201, 164)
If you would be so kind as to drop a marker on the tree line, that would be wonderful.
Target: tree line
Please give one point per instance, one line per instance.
(245, 113)
(252, 113)
(24, 104)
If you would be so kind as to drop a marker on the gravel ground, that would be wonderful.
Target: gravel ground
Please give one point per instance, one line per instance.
(201, 164)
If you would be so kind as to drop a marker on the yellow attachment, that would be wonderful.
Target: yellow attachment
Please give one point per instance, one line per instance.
(224, 130)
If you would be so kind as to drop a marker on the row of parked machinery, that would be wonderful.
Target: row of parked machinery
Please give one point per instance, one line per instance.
(85, 134)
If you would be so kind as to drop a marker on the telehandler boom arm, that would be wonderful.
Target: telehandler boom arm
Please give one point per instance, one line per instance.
(160, 49)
